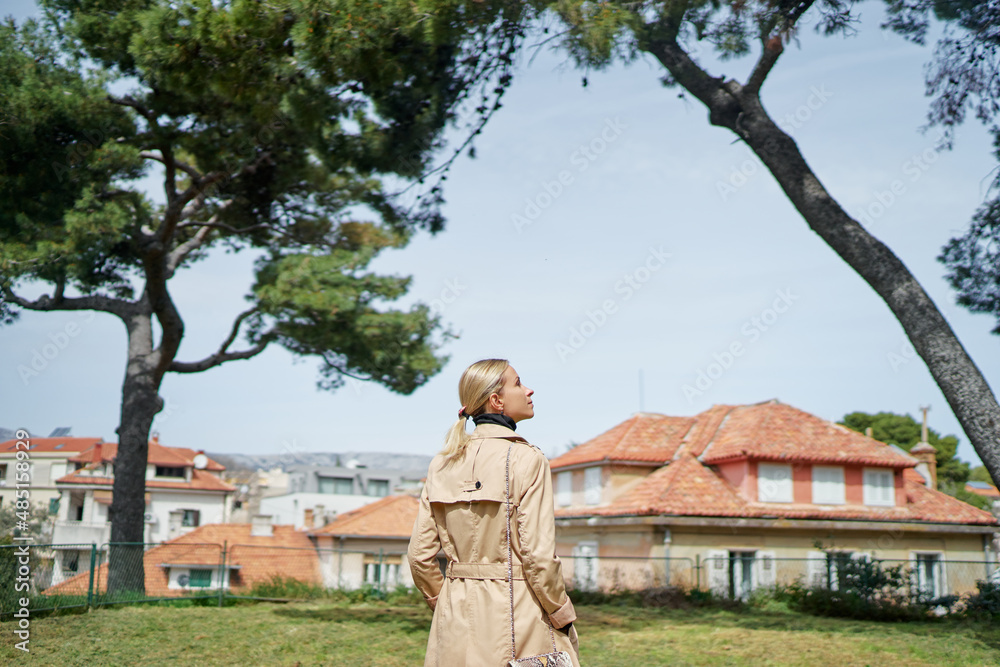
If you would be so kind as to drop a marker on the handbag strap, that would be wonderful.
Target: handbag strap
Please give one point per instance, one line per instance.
(510, 566)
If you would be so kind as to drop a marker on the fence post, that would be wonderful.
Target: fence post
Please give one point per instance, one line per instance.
(697, 570)
(380, 577)
(90, 584)
(222, 573)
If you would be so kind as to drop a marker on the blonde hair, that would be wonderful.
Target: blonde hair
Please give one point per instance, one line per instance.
(479, 381)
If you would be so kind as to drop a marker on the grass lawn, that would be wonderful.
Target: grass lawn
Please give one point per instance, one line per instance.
(324, 633)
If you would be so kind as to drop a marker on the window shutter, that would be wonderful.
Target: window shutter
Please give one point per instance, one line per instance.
(717, 566)
(592, 486)
(816, 573)
(564, 489)
(774, 483)
(766, 569)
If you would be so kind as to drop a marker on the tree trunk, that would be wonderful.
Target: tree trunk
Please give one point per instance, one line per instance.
(739, 109)
(140, 404)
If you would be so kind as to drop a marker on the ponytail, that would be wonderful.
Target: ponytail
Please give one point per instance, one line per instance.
(479, 381)
(456, 441)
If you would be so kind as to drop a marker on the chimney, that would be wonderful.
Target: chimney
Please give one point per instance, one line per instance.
(309, 517)
(869, 431)
(261, 525)
(319, 517)
(927, 455)
(97, 453)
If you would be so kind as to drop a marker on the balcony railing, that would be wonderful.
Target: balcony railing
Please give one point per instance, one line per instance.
(81, 532)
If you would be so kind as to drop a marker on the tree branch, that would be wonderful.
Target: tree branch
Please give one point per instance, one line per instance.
(222, 356)
(771, 51)
(59, 302)
(183, 166)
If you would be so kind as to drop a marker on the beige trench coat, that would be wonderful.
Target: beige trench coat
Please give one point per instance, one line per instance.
(462, 512)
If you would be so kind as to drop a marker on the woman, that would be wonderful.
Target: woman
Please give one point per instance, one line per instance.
(463, 513)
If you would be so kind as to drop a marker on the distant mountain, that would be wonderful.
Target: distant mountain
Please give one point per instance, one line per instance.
(6, 434)
(384, 460)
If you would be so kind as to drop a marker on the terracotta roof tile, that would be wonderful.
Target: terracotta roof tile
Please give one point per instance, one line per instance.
(643, 438)
(255, 559)
(200, 481)
(982, 489)
(157, 455)
(774, 431)
(53, 444)
(392, 516)
(686, 487)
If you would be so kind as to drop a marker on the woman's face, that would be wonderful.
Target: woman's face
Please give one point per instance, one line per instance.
(516, 398)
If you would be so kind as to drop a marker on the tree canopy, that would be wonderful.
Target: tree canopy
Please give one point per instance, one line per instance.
(283, 128)
(679, 34)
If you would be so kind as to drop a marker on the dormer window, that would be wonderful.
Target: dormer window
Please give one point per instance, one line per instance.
(169, 471)
(879, 487)
(828, 485)
(774, 483)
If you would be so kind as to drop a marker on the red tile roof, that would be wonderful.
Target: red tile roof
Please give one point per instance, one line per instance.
(200, 481)
(392, 516)
(686, 487)
(286, 553)
(774, 431)
(987, 490)
(158, 455)
(66, 444)
(643, 438)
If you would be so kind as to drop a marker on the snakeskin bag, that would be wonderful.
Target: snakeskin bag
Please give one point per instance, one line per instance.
(554, 659)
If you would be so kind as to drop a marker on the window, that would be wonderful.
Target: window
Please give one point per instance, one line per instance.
(564, 489)
(343, 486)
(828, 485)
(378, 488)
(929, 575)
(169, 471)
(3, 474)
(879, 487)
(592, 486)
(200, 579)
(774, 483)
(71, 561)
(54, 505)
(192, 519)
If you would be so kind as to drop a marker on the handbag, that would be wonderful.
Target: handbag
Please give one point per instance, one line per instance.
(554, 659)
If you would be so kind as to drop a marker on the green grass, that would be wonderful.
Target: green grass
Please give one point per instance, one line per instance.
(374, 633)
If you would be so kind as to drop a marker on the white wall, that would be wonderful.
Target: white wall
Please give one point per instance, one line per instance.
(212, 507)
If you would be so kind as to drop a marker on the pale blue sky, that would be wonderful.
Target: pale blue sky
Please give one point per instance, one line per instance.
(665, 182)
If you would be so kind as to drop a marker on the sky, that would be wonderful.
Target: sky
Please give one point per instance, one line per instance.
(616, 249)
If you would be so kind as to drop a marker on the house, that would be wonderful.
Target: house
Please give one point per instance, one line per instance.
(318, 493)
(368, 545)
(48, 461)
(183, 491)
(744, 496)
(235, 556)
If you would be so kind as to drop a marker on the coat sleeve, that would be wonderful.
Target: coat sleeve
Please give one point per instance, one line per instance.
(536, 527)
(422, 553)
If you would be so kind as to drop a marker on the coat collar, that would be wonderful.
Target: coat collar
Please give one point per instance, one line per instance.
(496, 431)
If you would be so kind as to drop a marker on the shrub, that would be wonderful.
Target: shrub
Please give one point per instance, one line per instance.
(865, 590)
(984, 602)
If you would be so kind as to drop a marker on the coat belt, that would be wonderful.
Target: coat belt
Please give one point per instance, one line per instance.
(481, 571)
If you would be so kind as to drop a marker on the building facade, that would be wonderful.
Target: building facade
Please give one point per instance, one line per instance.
(742, 497)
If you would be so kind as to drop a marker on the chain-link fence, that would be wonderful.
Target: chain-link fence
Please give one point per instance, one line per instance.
(64, 576)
